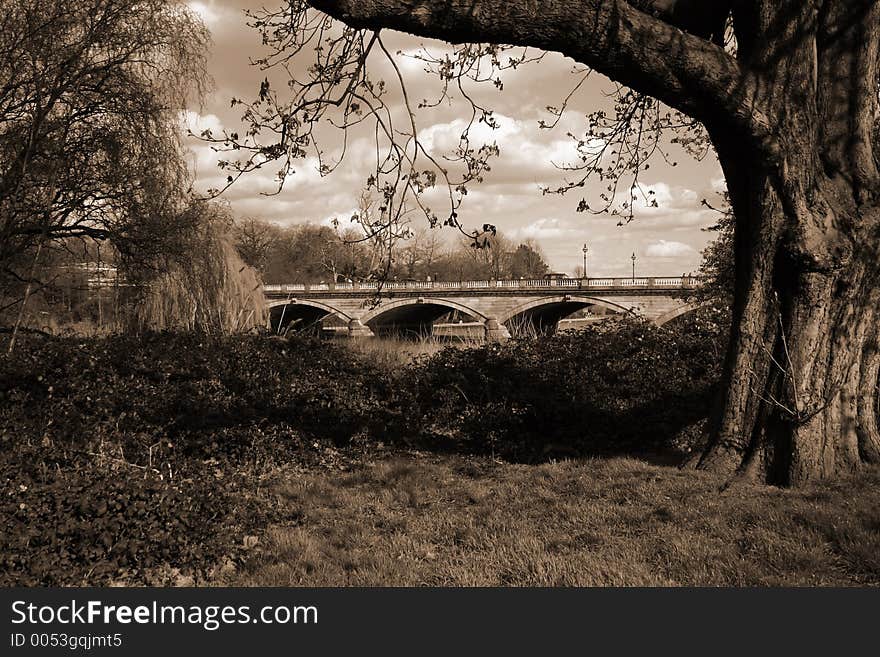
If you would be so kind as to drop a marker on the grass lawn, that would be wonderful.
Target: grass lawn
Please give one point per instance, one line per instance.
(432, 520)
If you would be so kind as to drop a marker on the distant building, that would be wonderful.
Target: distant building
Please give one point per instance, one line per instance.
(98, 274)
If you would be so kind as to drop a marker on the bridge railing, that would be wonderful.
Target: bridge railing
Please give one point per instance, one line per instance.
(673, 282)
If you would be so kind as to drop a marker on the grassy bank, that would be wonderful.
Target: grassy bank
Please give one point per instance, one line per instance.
(185, 458)
(474, 522)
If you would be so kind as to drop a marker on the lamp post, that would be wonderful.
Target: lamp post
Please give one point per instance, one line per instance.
(585, 249)
(634, 265)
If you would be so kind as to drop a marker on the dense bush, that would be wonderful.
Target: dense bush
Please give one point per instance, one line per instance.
(142, 393)
(614, 387)
(68, 520)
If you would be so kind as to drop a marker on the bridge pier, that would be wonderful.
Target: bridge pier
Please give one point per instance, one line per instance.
(496, 331)
(356, 330)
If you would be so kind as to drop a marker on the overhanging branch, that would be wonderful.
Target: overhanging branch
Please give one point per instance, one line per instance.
(684, 71)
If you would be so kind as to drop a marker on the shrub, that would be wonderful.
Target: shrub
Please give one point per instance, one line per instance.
(625, 386)
(146, 391)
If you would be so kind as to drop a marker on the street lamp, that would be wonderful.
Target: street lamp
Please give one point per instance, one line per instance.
(634, 265)
(585, 249)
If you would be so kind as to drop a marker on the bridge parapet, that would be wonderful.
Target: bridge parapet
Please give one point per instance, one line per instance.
(601, 284)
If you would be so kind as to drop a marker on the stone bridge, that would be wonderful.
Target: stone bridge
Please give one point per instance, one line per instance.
(501, 306)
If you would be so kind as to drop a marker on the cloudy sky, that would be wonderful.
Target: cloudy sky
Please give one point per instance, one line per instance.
(666, 240)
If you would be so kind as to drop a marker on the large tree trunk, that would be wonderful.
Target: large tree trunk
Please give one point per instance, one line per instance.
(801, 374)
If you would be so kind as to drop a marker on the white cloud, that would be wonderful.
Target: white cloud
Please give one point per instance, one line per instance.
(206, 11)
(197, 123)
(550, 227)
(664, 249)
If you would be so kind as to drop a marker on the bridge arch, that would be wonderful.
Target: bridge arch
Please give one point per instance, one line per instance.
(414, 315)
(543, 314)
(302, 313)
(681, 310)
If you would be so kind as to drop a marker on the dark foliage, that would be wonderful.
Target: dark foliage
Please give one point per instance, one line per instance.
(630, 387)
(169, 391)
(67, 520)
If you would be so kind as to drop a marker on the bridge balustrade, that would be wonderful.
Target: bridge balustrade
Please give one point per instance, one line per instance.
(578, 283)
(630, 282)
(598, 282)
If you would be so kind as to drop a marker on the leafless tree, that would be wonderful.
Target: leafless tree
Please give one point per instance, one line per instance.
(255, 240)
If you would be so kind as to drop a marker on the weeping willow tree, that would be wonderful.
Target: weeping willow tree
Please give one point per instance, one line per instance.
(205, 285)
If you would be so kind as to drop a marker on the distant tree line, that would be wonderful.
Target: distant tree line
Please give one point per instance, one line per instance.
(310, 253)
